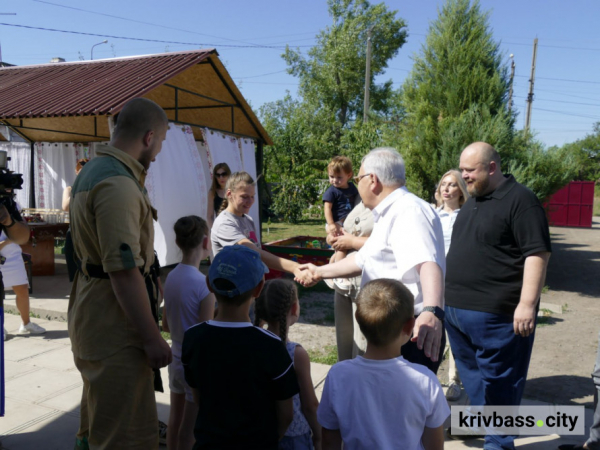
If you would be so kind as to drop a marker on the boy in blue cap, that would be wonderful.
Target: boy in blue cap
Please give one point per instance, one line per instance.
(242, 376)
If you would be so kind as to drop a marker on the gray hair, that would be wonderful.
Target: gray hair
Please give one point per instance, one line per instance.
(387, 164)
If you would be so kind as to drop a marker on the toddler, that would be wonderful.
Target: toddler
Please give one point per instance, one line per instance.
(339, 198)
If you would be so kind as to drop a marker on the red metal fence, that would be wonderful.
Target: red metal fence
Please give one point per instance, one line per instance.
(572, 206)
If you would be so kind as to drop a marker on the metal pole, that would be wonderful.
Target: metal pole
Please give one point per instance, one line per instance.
(368, 75)
(105, 41)
(531, 81)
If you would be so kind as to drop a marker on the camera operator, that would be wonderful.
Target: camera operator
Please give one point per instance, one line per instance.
(12, 223)
(12, 270)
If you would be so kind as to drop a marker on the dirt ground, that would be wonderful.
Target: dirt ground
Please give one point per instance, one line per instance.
(566, 341)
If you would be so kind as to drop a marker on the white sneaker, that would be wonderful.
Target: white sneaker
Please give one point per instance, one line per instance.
(31, 328)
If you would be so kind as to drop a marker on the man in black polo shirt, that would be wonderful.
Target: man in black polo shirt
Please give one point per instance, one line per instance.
(496, 267)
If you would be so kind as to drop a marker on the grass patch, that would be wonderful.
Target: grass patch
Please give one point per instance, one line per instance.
(545, 289)
(327, 355)
(166, 336)
(276, 231)
(545, 319)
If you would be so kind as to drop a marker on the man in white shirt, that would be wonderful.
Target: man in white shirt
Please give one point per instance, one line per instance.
(407, 244)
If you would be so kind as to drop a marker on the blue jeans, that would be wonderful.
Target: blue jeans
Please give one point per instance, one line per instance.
(491, 359)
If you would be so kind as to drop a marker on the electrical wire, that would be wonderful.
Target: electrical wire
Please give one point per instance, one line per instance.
(195, 44)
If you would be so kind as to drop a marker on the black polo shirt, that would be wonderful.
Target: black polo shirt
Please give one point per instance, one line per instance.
(491, 238)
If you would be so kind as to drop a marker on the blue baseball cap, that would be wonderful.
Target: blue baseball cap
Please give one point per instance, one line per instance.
(239, 265)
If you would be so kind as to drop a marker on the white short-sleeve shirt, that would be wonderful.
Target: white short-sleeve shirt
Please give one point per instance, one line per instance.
(382, 404)
(407, 232)
(447, 219)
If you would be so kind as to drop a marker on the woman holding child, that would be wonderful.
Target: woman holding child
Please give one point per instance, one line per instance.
(235, 226)
(357, 228)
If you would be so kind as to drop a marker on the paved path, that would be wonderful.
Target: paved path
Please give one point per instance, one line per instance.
(43, 388)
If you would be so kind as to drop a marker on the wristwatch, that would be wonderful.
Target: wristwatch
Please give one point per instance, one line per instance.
(436, 310)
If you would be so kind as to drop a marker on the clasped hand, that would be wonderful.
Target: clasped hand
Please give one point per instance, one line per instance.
(306, 275)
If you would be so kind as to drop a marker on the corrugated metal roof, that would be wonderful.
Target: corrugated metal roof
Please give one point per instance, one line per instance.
(85, 88)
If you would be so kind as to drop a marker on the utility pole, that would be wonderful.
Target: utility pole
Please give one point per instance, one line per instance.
(512, 78)
(368, 75)
(531, 81)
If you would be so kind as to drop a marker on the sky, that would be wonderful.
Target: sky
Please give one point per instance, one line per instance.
(250, 37)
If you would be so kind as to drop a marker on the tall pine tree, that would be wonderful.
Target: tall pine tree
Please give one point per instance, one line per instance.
(455, 94)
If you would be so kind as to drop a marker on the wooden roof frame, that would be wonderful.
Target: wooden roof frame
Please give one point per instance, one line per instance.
(193, 88)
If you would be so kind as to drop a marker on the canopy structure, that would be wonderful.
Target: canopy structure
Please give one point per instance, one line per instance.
(75, 101)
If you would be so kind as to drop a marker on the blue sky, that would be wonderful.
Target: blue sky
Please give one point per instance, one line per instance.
(567, 87)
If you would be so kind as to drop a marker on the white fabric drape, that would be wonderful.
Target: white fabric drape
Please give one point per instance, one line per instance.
(20, 162)
(223, 148)
(249, 161)
(204, 156)
(54, 168)
(176, 185)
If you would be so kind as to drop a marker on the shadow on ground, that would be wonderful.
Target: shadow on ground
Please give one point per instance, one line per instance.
(573, 269)
(562, 390)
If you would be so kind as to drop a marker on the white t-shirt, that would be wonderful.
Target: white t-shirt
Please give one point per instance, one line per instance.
(407, 232)
(447, 219)
(229, 229)
(382, 404)
(184, 290)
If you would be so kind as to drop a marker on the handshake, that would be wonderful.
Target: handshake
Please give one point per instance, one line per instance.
(307, 275)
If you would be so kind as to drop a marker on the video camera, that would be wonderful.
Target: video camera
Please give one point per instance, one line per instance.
(9, 181)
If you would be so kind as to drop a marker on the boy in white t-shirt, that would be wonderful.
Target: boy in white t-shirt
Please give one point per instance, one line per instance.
(382, 401)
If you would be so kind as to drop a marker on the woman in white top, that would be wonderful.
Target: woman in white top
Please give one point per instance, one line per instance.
(451, 194)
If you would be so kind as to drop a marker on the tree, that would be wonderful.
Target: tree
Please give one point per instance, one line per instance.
(586, 151)
(332, 76)
(455, 94)
(325, 120)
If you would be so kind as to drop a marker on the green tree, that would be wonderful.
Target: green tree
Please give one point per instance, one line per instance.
(332, 75)
(455, 94)
(326, 118)
(586, 152)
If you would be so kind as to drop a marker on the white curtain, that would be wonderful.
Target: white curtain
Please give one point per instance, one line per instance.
(54, 169)
(205, 157)
(20, 162)
(249, 161)
(177, 187)
(223, 148)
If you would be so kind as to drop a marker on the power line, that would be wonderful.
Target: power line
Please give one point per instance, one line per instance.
(562, 101)
(261, 75)
(195, 44)
(136, 21)
(568, 114)
(562, 79)
(565, 94)
(265, 82)
(555, 46)
(175, 28)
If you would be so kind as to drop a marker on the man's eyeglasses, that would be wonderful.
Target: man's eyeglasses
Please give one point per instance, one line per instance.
(360, 177)
(222, 174)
